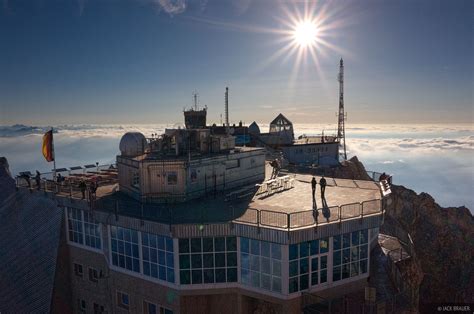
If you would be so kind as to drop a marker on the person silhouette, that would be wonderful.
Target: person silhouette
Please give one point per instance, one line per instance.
(322, 183)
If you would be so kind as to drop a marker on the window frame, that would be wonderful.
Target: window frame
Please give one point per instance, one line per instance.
(76, 270)
(205, 260)
(81, 242)
(120, 303)
(92, 271)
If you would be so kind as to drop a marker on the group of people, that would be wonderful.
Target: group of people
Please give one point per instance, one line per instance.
(322, 184)
(92, 189)
(59, 179)
(26, 177)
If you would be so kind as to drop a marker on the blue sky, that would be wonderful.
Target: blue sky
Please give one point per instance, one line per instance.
(138, 61)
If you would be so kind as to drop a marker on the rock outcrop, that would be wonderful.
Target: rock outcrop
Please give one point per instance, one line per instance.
(7, 183)
(443, 239)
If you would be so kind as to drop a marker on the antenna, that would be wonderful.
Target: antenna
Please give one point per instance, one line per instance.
(227, 106)
(341, 134)
(195, 98)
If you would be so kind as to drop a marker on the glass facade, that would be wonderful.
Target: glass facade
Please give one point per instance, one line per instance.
(308, 263)
(83, 229)
(208, 260)
(260, 264)
(350, 256)
(158, 259)
(124, 249)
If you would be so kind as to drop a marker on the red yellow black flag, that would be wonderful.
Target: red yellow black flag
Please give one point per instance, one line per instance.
(48, 149)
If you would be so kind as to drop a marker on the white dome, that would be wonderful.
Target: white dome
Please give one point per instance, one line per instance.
(132, 144)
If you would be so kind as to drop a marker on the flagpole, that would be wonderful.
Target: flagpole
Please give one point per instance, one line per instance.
(54, 154)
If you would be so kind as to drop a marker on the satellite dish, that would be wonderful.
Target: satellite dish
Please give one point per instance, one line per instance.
(231, 131)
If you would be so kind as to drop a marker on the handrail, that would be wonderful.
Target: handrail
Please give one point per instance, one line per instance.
(290, 218)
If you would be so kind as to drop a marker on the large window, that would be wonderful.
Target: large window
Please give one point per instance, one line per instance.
(83, 229)
(74, 220)
(208, 260)
(350, 256)
(158, 260)
(260, 264)
(125, 248)
(308, 262)
(91, 231)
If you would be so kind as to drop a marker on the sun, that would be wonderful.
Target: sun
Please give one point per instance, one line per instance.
(305, 33)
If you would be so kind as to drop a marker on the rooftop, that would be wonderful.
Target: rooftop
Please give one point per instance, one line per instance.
(279, 206)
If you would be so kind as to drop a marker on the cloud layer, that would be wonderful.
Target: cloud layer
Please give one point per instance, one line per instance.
(427, 158)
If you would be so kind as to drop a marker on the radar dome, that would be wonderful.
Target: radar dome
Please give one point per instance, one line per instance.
(132, 144)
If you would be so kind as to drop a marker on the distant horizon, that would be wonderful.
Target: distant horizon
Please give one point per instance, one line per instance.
(435, 158)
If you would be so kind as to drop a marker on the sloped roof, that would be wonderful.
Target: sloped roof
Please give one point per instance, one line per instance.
(281, 120)
(29, 241)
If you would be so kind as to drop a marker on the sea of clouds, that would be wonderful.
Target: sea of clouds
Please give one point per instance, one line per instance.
(437, 159)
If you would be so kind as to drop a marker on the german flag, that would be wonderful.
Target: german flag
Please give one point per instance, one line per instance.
(48, 149)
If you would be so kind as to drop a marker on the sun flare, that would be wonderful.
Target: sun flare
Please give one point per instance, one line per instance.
(305, 33)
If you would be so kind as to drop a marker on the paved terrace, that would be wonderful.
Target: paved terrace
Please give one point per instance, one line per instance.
(293, 208)
(288, 209)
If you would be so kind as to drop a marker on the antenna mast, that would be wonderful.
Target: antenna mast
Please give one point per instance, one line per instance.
(195, 98)
(341, 133)
(227, 106)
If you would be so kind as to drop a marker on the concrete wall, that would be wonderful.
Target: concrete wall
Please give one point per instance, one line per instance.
(195, 178)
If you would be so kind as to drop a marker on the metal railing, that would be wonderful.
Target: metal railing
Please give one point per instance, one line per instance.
(310, 218)
(70, 184)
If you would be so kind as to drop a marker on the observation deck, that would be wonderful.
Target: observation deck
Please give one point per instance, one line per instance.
(280, 207)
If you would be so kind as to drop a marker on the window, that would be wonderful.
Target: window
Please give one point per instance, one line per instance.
(260, 264)
(82, 305)
(149, 308)
(78, 270)
(350, 256)
(123, 300)
(83, 228)
(91, 231)
(74, 219)
(93, 275)
(307, 264)
(208, 260)
(172, 178)
(125, 248)
(233, 163)
(158, 257)
(136, 180)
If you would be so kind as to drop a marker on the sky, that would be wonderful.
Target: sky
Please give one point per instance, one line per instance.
(139, 61)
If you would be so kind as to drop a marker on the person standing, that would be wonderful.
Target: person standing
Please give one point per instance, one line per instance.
(322, 183)
(38, 180)
(313, 187)
(83, 187)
